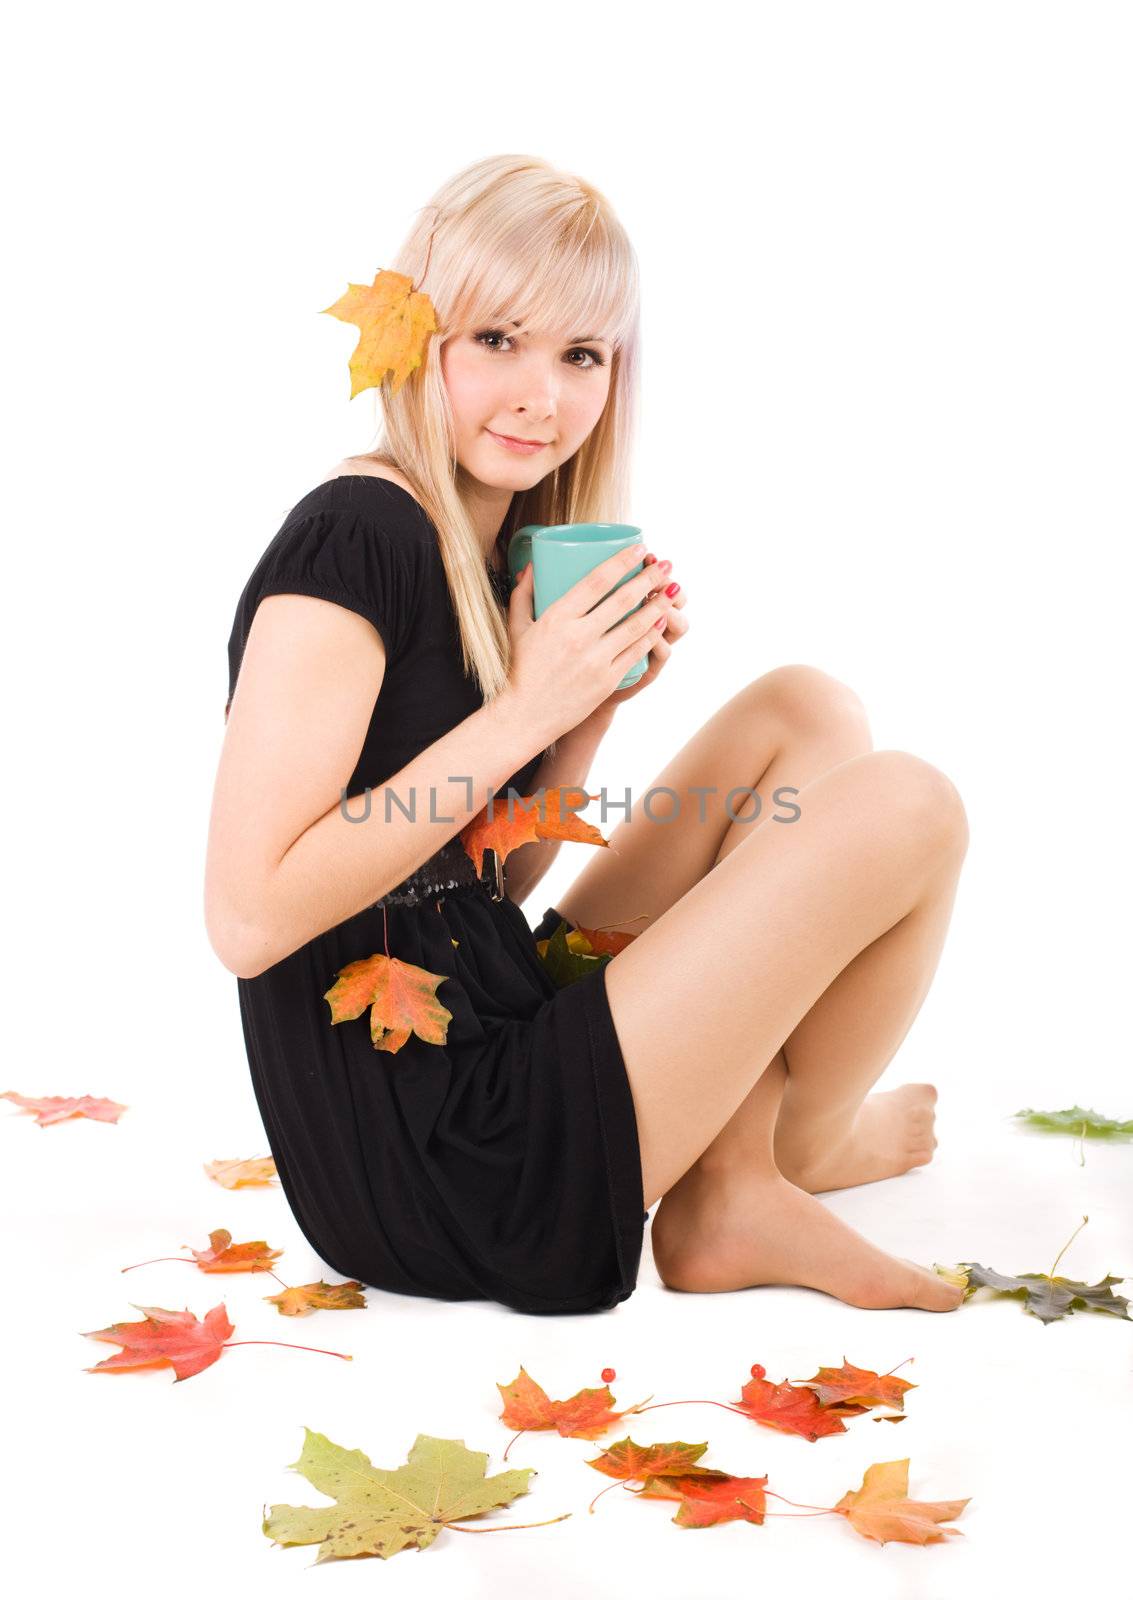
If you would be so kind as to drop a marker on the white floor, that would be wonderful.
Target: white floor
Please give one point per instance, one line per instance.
(163, 1484)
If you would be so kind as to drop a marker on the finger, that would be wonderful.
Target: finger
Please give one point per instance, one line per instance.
(582, 597)
(641, 591)
(521, 599)
(678, 626)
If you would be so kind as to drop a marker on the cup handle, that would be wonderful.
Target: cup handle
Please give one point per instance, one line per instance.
(518, 553)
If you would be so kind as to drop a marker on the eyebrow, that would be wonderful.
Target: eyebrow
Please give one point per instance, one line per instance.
(581, 338)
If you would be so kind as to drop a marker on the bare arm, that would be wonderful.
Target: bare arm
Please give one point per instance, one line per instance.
(284, 863)
(568, 767)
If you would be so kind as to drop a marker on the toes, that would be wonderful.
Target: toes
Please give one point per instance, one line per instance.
(934, 1293)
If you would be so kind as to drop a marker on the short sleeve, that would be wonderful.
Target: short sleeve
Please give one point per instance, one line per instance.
(356, 558)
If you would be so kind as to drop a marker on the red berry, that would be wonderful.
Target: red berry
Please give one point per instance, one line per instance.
(758, 1372)
(608, 1374)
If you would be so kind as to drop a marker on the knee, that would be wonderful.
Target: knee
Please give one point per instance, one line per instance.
(924, 796)
(804, 697)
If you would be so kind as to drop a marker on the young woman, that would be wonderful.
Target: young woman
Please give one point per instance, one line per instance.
(382, 684)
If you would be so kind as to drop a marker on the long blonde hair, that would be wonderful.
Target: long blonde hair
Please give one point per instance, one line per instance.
(511, 237)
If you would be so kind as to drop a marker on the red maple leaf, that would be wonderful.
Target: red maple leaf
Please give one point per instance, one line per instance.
(57, 1107)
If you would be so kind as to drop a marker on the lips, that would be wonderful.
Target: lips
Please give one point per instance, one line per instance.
(510, 438)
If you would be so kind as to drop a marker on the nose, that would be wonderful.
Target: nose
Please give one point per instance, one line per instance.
(538, 390)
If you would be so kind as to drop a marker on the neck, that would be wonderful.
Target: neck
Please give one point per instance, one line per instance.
(487, 506)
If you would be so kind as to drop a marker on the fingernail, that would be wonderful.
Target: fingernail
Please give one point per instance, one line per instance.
(672, 589)
(664, 565)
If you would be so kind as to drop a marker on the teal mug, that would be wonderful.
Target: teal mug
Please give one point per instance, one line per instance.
(563, 553)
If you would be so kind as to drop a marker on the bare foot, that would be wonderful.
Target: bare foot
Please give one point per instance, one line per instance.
(891, 1132)
(716, 1233)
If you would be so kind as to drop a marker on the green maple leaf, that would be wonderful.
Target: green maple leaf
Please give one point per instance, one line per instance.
(566, 965)
(380, 1512)
(1045, 1297)
(1078, 1121)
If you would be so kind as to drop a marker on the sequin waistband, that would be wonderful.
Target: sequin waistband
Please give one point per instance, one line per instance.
(450, 868)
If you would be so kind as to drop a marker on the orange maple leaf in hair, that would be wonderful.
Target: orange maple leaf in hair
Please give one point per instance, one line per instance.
(395, 322)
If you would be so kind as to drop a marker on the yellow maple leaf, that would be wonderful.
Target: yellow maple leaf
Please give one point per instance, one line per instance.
(395, 322)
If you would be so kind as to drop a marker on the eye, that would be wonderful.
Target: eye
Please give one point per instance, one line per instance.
(596, 359)
(490, 333)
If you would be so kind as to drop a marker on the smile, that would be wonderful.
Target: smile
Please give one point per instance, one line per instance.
(522, 447)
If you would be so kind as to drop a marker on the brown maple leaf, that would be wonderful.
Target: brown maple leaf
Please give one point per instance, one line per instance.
(779, 1405)
(255, 1173)
(708, 1497)
(503, 833)
(394, 322)
(881, 1510)
(321, 1296)
(402, 1000)
(849, 1390)
(528, 1407)
(57, 1108)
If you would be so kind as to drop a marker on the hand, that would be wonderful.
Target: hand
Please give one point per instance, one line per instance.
(566, 664)
(660, 648)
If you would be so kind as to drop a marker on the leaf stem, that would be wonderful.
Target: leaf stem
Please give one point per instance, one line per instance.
(1067, 1245)
(739, 1411)
(618, 1483)
(284, 1346)
(508, 1527)
(803, 1503)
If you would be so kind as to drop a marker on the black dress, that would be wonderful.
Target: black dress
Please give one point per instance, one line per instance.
(503, 1164)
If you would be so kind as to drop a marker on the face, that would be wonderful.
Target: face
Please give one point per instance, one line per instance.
(507, 382)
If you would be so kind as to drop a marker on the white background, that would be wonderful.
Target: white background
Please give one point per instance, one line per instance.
(886, 256)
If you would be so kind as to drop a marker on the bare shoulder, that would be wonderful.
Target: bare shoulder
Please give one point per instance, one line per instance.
(363, 466)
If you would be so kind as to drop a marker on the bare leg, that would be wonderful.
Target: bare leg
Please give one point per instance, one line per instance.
(719, 983)
(788, 727)
(827, 1134)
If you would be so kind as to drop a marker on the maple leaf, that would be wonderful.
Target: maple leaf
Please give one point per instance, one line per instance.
(256, 1172)
(779, 1405)
(503, 833)
(850, 1390)
(402, 1000)
(1083, 1124)
(176, 1339)
(379, 1512)
(591, 941)
(321, 1296)
(57, 1108)
(224, 1256)
(528, 1408)
(952, 1275)
(601, 941)
(626, 1460)
(394, 322)
(708, 1497)
(564, 960)
(881, 1510)
(165, 1339)
(1046, 1297)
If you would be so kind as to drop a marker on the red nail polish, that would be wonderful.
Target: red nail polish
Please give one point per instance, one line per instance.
(672, 589)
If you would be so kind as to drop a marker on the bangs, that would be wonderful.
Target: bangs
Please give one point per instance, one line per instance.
(578, 289)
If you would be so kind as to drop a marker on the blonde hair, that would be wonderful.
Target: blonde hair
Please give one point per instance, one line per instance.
(508, 238)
